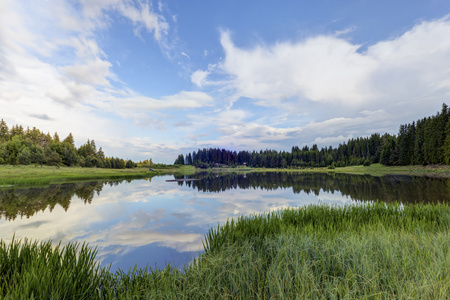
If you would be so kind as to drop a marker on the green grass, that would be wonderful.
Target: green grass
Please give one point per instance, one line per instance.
(380, 170)
(373, 251)
(373, 169)
(33, 176)
(41, 271)
(330, 221)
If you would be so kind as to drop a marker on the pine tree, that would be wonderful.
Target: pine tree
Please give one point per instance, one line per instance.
(446, 147)
(4, 131)
(69, 140)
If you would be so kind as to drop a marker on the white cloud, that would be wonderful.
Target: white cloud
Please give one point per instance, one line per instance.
(93, 72)
(335, 90)
(145, 16)
(55, 76)
(322, 68)
(414, 65)
(350, 29)
(332, 70)
(185, 55)
(136, 104)
(52, 68)
(199, 77)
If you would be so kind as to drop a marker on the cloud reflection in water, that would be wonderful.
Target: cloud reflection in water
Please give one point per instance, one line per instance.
(154, 223)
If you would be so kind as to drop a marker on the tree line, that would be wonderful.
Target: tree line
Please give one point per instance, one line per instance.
(32, 146)
(424, 142)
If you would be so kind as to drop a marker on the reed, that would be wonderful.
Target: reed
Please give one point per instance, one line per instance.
(329, 220)
(41, 271)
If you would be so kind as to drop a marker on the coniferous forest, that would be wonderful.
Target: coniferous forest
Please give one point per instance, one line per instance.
(424, 142)
(31, 146)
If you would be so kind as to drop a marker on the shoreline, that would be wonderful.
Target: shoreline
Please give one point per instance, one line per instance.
(12, 176)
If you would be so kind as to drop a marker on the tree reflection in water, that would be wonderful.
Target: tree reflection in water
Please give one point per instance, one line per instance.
(406, 189)
(399, 188)
(27, 202)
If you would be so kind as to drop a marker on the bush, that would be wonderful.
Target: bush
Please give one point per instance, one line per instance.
(24, 157)
(130, 164)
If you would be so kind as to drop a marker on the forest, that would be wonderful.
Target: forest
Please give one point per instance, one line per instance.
(31, 146)
(424, 142)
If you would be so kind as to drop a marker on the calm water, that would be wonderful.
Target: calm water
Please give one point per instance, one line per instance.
(154, 222)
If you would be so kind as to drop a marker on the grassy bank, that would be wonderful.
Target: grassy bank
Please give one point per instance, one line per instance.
(375, 251)
(31, 175)
(373, 170)
(380, 170)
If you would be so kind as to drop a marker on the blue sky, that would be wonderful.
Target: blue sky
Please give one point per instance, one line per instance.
(152, 79)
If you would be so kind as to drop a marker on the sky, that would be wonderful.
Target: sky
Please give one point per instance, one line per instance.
(154, 79)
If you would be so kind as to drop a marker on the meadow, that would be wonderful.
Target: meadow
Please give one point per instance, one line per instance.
(366, 251)
(32, 176)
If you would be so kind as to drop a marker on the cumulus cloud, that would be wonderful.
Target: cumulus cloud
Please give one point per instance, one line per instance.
(322, 68)
(335, 89)
(330, 69)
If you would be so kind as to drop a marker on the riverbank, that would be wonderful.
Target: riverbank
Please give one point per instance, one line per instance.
(316, 252)
(442, 171)
(31, 175)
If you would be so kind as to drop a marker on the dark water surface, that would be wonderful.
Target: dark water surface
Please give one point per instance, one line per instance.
(154, 222)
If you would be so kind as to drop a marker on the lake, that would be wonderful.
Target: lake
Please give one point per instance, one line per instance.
(160, 220)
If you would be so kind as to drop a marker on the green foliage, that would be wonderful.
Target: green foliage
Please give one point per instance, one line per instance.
(4, 132)
(40, 271)
(19, 146)
(446, 146)
(24, 157)
(325, 219)
(130, 164)
(52, 158)
(179, 160)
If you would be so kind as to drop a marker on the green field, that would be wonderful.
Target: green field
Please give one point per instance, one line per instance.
(371, 251)
(31, 175)
(374, 170)
(380, 170)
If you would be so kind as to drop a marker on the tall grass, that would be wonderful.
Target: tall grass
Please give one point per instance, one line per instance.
(41, 271)
(381, 264)
(373, 251)
(329, 220)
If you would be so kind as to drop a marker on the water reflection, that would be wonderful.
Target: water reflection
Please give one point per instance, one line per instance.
(153, 223)
(400, 188)
(26, 202)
